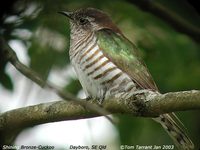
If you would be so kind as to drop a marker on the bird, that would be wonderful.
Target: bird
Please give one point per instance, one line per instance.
(108, 65)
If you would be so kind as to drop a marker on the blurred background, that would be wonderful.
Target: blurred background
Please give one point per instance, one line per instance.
(40, 37)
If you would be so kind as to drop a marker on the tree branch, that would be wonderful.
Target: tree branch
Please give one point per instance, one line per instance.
(168, 16)
(148, 104)
(174, 101)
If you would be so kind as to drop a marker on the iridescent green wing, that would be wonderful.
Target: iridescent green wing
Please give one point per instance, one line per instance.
(124, 55)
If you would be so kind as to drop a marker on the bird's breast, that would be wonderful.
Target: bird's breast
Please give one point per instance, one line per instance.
(99, 77)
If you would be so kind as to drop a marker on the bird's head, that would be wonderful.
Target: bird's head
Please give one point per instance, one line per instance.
(90, 19)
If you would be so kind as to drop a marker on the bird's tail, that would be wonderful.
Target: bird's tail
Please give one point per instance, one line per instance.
(170, 124)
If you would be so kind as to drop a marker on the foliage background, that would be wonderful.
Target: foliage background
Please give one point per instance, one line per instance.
(172, 57)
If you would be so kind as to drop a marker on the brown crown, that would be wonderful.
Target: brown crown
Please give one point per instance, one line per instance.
(101, 18)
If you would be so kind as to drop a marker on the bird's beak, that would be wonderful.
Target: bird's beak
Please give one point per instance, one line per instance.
(68, 14)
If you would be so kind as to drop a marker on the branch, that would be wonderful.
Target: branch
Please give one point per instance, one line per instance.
(148, 104)
(10, 55)
(174, 101)
(168, 16)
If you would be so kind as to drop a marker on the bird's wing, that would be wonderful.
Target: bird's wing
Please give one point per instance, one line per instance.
(124, 55)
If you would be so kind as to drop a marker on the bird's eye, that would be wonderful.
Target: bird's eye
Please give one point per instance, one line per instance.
(83, 21)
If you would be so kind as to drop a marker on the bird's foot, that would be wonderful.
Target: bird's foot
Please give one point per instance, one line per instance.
(99, 100)
(88, 98)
